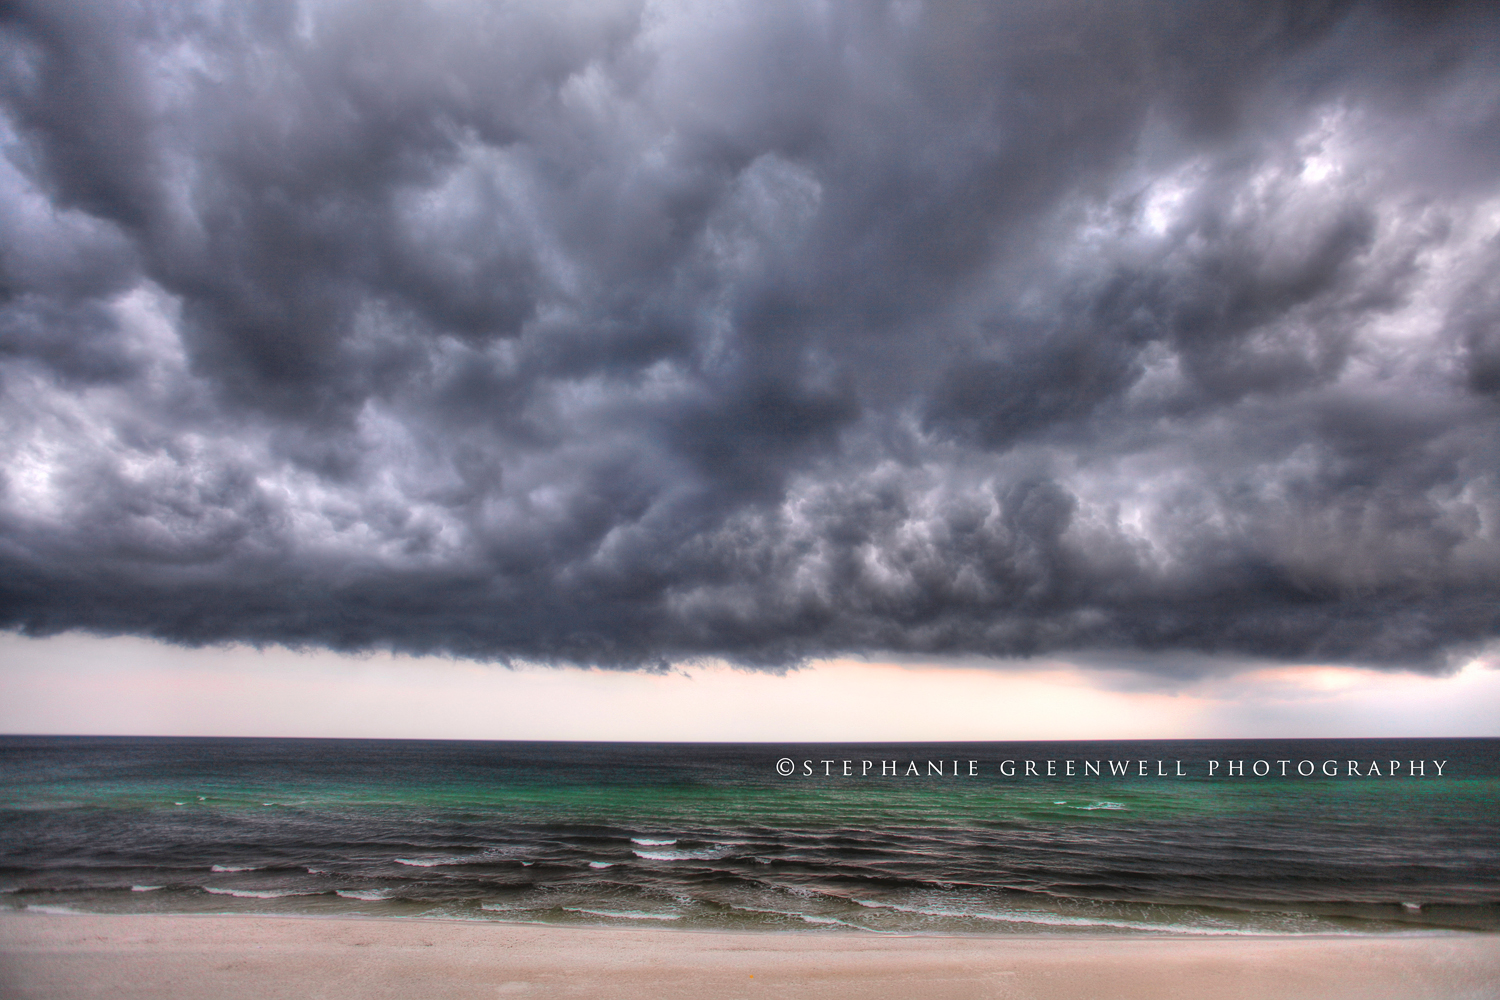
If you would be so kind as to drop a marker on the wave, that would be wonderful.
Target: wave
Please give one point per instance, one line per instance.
(1103, 805)
(601, 864)
(489, 857)
(805, 892)
(648, 842)
(368, 895)
(146, 888)
(235, 868)
(762, 909)
(1058, 920)
(814, 919)
(257, 893)
(701, 854)
(624, 914)
(1061, 920)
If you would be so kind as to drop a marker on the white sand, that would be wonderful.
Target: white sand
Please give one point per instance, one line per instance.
(268, 958)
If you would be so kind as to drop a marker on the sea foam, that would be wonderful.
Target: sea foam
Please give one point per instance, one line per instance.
(624, 914)
(1058, 920)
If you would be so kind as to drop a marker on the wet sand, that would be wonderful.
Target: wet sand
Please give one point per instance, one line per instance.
(63, 956)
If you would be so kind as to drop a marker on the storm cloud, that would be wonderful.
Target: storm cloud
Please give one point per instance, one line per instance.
(632, 333)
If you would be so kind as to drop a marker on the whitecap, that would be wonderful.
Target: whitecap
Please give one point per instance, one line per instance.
(235, 868)
(601, 864)
(52, 908)
(1103, 805)
(702, 854)
(425, 862)
(251, 893)
(648, 842)
(146, 888)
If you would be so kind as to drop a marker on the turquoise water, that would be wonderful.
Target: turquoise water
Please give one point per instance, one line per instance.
(714, 836)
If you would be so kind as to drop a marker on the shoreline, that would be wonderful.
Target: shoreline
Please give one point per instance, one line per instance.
(64, 956)
(1102, 933)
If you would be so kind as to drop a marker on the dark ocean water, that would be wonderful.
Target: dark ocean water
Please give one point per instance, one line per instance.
(713, 836)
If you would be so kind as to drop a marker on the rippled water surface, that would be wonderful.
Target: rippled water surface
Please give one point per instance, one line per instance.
(714, 836)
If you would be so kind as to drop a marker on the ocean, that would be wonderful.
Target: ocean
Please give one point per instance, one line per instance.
(1088, 838)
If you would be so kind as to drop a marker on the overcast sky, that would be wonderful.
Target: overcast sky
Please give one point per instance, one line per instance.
(624, 334)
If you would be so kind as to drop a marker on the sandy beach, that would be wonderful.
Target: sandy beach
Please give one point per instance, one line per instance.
(62, 957)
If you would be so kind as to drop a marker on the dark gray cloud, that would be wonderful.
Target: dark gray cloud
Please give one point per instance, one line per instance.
(626, 333)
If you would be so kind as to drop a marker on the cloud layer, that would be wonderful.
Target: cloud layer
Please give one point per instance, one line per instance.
(627, 333)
